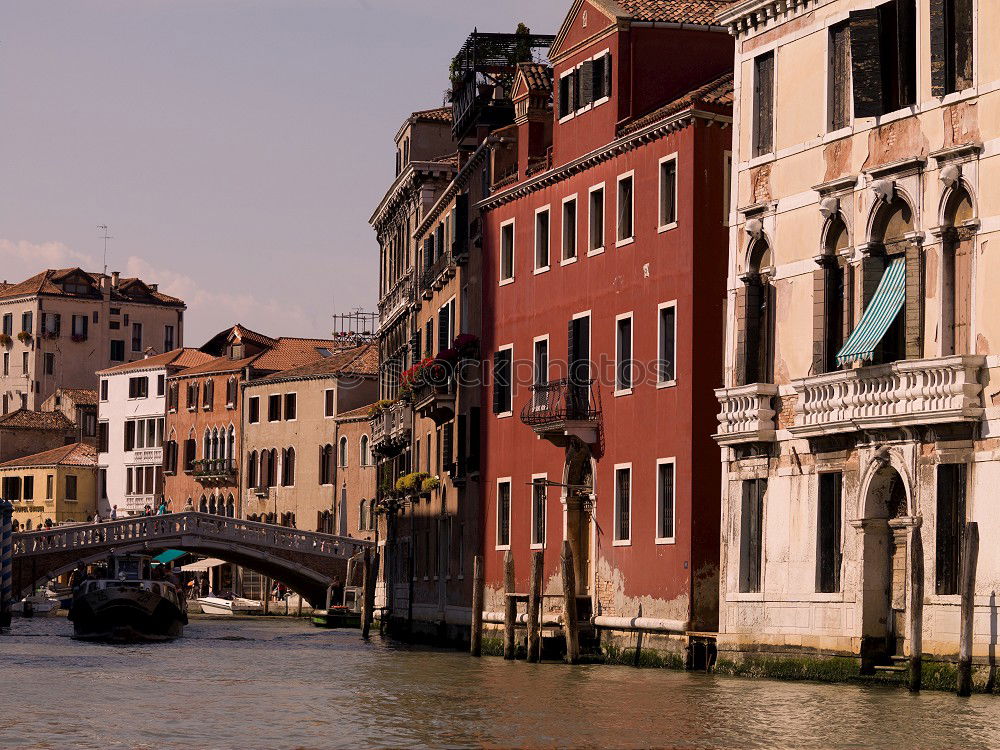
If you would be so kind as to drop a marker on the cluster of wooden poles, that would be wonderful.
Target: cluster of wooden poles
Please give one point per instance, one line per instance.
(533, 617)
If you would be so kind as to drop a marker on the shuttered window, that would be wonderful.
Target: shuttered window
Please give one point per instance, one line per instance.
(503, 514)
(623, 504)
(883, 58)
(542, 237)
(626, 208)
(952, 46)
(507, 252)
(567, 102)
(601, 75)
(828, 533)
(840, 76)
(752, 534)
(763, 128)
(569, 229)
(503, 382)
(950, 523)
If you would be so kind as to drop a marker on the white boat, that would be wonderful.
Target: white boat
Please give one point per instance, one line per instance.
(36, 605)
(228, 605)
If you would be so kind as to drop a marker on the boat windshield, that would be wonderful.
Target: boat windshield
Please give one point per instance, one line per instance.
(132, 569)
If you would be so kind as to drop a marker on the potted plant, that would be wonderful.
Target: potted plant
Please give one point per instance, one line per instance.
(429, 485)
(24, 337)
(78, 337)
(467, 345)
(5, 340)
(412, 483)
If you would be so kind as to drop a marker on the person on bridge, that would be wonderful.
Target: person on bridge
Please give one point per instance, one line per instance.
(162, 509)
(114, 512)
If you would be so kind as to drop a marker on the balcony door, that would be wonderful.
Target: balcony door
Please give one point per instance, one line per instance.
(578, 365)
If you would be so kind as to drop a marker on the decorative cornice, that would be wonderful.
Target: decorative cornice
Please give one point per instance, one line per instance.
(460, 180)
(630, 142)
(964, 152)
(753, 15)
(839, 185)
(901, 168)
(415, 171)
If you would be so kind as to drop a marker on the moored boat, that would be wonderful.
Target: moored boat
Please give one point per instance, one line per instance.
(344, 615)
(228, 605)
(126, 604)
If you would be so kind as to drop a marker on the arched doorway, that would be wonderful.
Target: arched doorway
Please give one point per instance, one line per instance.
(578, 504)
(884, 573)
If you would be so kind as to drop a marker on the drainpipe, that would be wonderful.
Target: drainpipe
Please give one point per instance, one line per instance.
(654, 624)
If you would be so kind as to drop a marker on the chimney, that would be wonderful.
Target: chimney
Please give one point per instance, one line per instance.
(154, 287)
(115, 276)
(532, 115)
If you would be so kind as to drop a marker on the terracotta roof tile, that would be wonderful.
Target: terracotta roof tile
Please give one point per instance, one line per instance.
(538, 76)
(360, 414)
(81, 396)
(217, 365)
(438, 114)
(714, 95)
(674, 11)
(25, 419)
(50, 282)
(252, 337)
(76, 454)
(360, 360)
(175, 358)
(293, 352)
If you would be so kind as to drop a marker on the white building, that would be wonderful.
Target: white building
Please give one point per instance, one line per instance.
(131, 414)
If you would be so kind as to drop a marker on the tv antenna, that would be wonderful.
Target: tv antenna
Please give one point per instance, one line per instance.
(104, 228)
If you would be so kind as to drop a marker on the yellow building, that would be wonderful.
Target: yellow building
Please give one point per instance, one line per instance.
(57, 485)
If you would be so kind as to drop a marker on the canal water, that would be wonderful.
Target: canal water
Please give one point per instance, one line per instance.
(279, 683)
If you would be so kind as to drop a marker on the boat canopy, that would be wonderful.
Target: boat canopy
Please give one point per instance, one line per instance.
(202, 565)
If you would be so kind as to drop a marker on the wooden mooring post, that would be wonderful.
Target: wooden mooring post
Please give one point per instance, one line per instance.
(916, 608)
(476, 634)
(509, 606)
(970, 556)
(571, 626)
(366, 582)
(267, 595)
(534, 608)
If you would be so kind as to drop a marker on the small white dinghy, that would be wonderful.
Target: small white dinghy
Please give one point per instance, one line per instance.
(36, 605)
(228, 605)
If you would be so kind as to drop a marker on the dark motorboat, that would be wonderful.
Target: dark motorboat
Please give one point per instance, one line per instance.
(125, 603)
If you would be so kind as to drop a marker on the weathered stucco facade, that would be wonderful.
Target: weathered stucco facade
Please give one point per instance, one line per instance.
(859, 427)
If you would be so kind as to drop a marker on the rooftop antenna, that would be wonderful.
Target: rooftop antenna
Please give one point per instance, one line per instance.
(104, 228)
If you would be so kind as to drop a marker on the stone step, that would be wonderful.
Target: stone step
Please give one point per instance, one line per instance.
(884, 668)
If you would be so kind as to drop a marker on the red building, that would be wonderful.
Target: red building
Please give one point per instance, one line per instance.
(604, 276)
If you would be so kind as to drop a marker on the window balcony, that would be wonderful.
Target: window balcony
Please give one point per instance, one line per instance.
(562, 410)
(391, 429)
(746, 414)
(215, 470)
(436, 275)
(436, 401)
(903, 393)
(395, 300)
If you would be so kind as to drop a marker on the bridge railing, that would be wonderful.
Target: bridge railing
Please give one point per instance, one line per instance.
(170, 526)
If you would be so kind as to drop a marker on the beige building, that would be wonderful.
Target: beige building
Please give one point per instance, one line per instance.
(79, 406)
(54, 486)
(859, 420)
(60, 326)
(24, 432)
(307, 444)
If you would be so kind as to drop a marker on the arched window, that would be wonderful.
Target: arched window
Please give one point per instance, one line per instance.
(891, 240)
(343, 452)
(288, 467)
(211, 504)
(215, 443)
(756, 337)
(231, 507)
(372, 516)
(231, 443)
(203, 505)
(957, 245)
(253, 479)
(206, 452)
(363, 516)
(364, 451)
(326, 464)
(272, 460)
(209, 394)
(832, 309)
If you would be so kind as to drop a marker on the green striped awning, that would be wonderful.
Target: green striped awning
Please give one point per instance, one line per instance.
(878, 316)
(169, 556)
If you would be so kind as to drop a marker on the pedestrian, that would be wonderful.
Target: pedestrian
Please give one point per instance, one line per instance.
(114, 512)
(148, 510)
(162, 510)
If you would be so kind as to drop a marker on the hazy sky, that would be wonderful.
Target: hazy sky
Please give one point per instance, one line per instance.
(235, 147)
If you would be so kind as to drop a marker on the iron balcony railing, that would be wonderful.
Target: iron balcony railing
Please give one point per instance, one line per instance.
(215, 468)
(434, 270)
(566, 400)
(395, 300)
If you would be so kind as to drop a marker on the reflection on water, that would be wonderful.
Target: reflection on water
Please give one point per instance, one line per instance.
(282, 684)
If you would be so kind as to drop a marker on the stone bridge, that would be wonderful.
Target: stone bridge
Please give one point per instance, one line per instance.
(306, 561)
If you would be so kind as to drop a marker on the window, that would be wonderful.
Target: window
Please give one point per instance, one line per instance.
(343, 452)
(24, 363)
(12, 488)
(503, 513)
(89, 424)
(567, 94)
(542, 239)
(623, 354)
(601, 73)
(507, 252)
(950, 526)
(172, 397)
(288, 467)
(326, 464)
(365, 454)
(668, 192)
(752, 535)
(49, 482)
(569, 229)
(755, 302)
(952, 46)
(117, 350)
(26, 322)
(274, 408)
(328, 402)
(168, 338)
(665, 492)
(29, 488)
(623, 504)
(8, 324)
(763, 105)
(625, 209)
(253, 409)
(80, 327)
(6, 363)
(503, 382)
(539, 492)
(137, 337)
(190, 452)
(138, 387)
(884, 58)
(595, 243)
(541, 371)
(840, 76)
(828, 530)
(666, 364)
(102, 437)
(289, 407)
(208, 395)
(70, 487)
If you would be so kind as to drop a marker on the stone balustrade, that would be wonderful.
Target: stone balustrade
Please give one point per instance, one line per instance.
(908, 392)
(746, 414)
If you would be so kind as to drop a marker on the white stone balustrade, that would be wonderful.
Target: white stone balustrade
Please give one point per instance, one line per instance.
(908, 392)
(747, 414)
